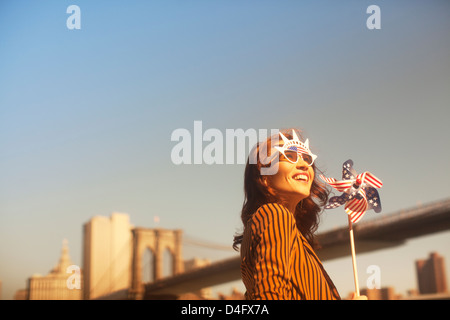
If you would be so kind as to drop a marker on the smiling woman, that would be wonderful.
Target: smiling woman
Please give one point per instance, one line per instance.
(280, 216)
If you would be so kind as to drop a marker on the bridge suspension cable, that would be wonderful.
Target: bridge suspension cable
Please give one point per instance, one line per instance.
(189, 240)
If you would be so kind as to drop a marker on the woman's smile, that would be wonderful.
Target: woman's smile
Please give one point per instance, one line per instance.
(301, 176)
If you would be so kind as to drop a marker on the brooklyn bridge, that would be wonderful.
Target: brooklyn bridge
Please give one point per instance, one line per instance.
(387, 231)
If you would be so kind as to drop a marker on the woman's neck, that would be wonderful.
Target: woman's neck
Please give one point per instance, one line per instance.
(290, 205)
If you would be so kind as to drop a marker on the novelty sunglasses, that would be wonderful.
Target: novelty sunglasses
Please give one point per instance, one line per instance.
(294, 149)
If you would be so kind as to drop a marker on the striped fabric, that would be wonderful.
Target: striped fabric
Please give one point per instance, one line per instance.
(277, 262)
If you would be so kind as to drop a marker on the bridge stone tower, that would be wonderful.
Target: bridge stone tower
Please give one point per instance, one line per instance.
(157, 240)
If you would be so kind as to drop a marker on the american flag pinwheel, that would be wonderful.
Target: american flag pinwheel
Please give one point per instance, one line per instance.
(359, 192)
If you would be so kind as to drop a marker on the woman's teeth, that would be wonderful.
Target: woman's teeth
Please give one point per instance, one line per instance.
(301, 177)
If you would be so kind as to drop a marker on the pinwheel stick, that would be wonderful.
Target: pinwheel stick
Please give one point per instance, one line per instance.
(352, 244)
(359, 195)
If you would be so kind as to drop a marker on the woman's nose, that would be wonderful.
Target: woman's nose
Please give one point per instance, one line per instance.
(301, 164)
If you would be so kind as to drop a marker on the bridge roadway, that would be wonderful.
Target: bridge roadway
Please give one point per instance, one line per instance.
(384, 232)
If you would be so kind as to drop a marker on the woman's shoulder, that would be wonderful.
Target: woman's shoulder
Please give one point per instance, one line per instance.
(272, 206)
(272, 212)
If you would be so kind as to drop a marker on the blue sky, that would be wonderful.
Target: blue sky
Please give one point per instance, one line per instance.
(86, 115)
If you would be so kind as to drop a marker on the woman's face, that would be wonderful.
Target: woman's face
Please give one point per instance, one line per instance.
(292, 182)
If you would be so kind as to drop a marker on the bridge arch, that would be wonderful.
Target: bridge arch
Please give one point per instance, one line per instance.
(157, 241)
(168, 263)
(148, 258)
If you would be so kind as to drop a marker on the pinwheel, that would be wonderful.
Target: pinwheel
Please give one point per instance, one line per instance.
(359, 195)
(359, 190)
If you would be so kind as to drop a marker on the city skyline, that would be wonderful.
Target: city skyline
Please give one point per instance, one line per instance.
(118, 223)
(87, 115)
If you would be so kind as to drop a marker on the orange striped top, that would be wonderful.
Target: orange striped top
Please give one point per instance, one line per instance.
(278, 263)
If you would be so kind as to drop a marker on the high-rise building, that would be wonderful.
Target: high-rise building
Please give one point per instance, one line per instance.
(106, 255)
(431, 274)
(64, 282)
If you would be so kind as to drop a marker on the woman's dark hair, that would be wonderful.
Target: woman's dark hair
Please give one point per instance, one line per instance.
(257, 193)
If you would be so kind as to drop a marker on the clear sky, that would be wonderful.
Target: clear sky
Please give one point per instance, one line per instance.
(86, 115)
